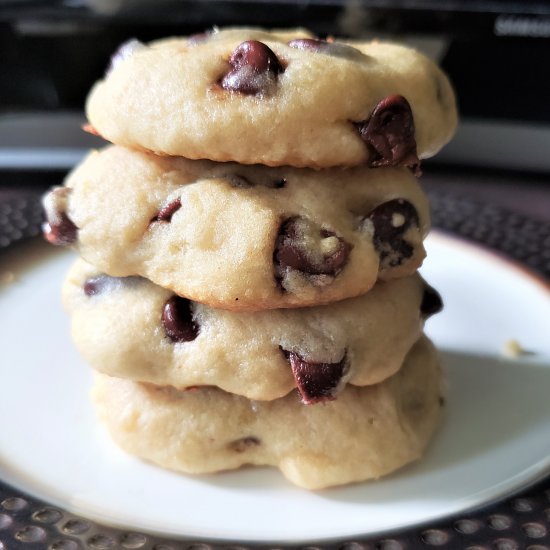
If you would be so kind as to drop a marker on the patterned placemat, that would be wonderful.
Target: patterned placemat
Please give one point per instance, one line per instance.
(519, 522)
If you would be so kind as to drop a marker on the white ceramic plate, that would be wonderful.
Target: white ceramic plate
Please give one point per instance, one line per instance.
(496, 438)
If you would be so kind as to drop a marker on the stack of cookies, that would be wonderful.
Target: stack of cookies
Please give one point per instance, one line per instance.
(248, 289)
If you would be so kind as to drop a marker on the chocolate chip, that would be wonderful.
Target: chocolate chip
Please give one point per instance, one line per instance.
(177, 319)
(431, 302)
(327, 48)
(124, 51)
(242, 445)
(254, 69)
(388, 223)
(389, 134)
(316, 382)
(96, 285)
(303, 246)
(104, 283)
(167, 211)
(58, 228)
(61, 234)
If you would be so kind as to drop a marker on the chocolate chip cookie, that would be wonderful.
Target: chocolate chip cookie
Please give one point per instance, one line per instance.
(130, 328)
(241, 237)
(252, 96)
(366, 433)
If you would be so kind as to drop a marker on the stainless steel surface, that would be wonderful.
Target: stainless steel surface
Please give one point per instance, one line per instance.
(44, 140)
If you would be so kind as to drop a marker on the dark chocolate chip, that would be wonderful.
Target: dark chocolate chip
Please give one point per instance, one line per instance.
(177, 319)
(167, 211)
(103, 283)
(96, 285)
(389, 134)
(256, 55)
(292, 253)
(431, 302)
(316, 382)
(328, 48)
(243, 444)
(389, 222)
(254, 69)
(62, 233)
(58, 228)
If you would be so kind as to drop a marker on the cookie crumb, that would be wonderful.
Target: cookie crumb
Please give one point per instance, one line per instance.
(512, 348)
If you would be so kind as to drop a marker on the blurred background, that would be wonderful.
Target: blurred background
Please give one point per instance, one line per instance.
(496, 52)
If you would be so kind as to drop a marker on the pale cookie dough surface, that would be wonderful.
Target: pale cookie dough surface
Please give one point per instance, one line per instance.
(299, 106)
(124, 328)
(366, 433)
(241, 237)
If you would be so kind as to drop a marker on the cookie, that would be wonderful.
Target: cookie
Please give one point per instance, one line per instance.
(241, 237)
(252, 96)
(366, 433)
(131, 328)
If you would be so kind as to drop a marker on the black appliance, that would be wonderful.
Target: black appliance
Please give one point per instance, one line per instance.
(496, 52)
